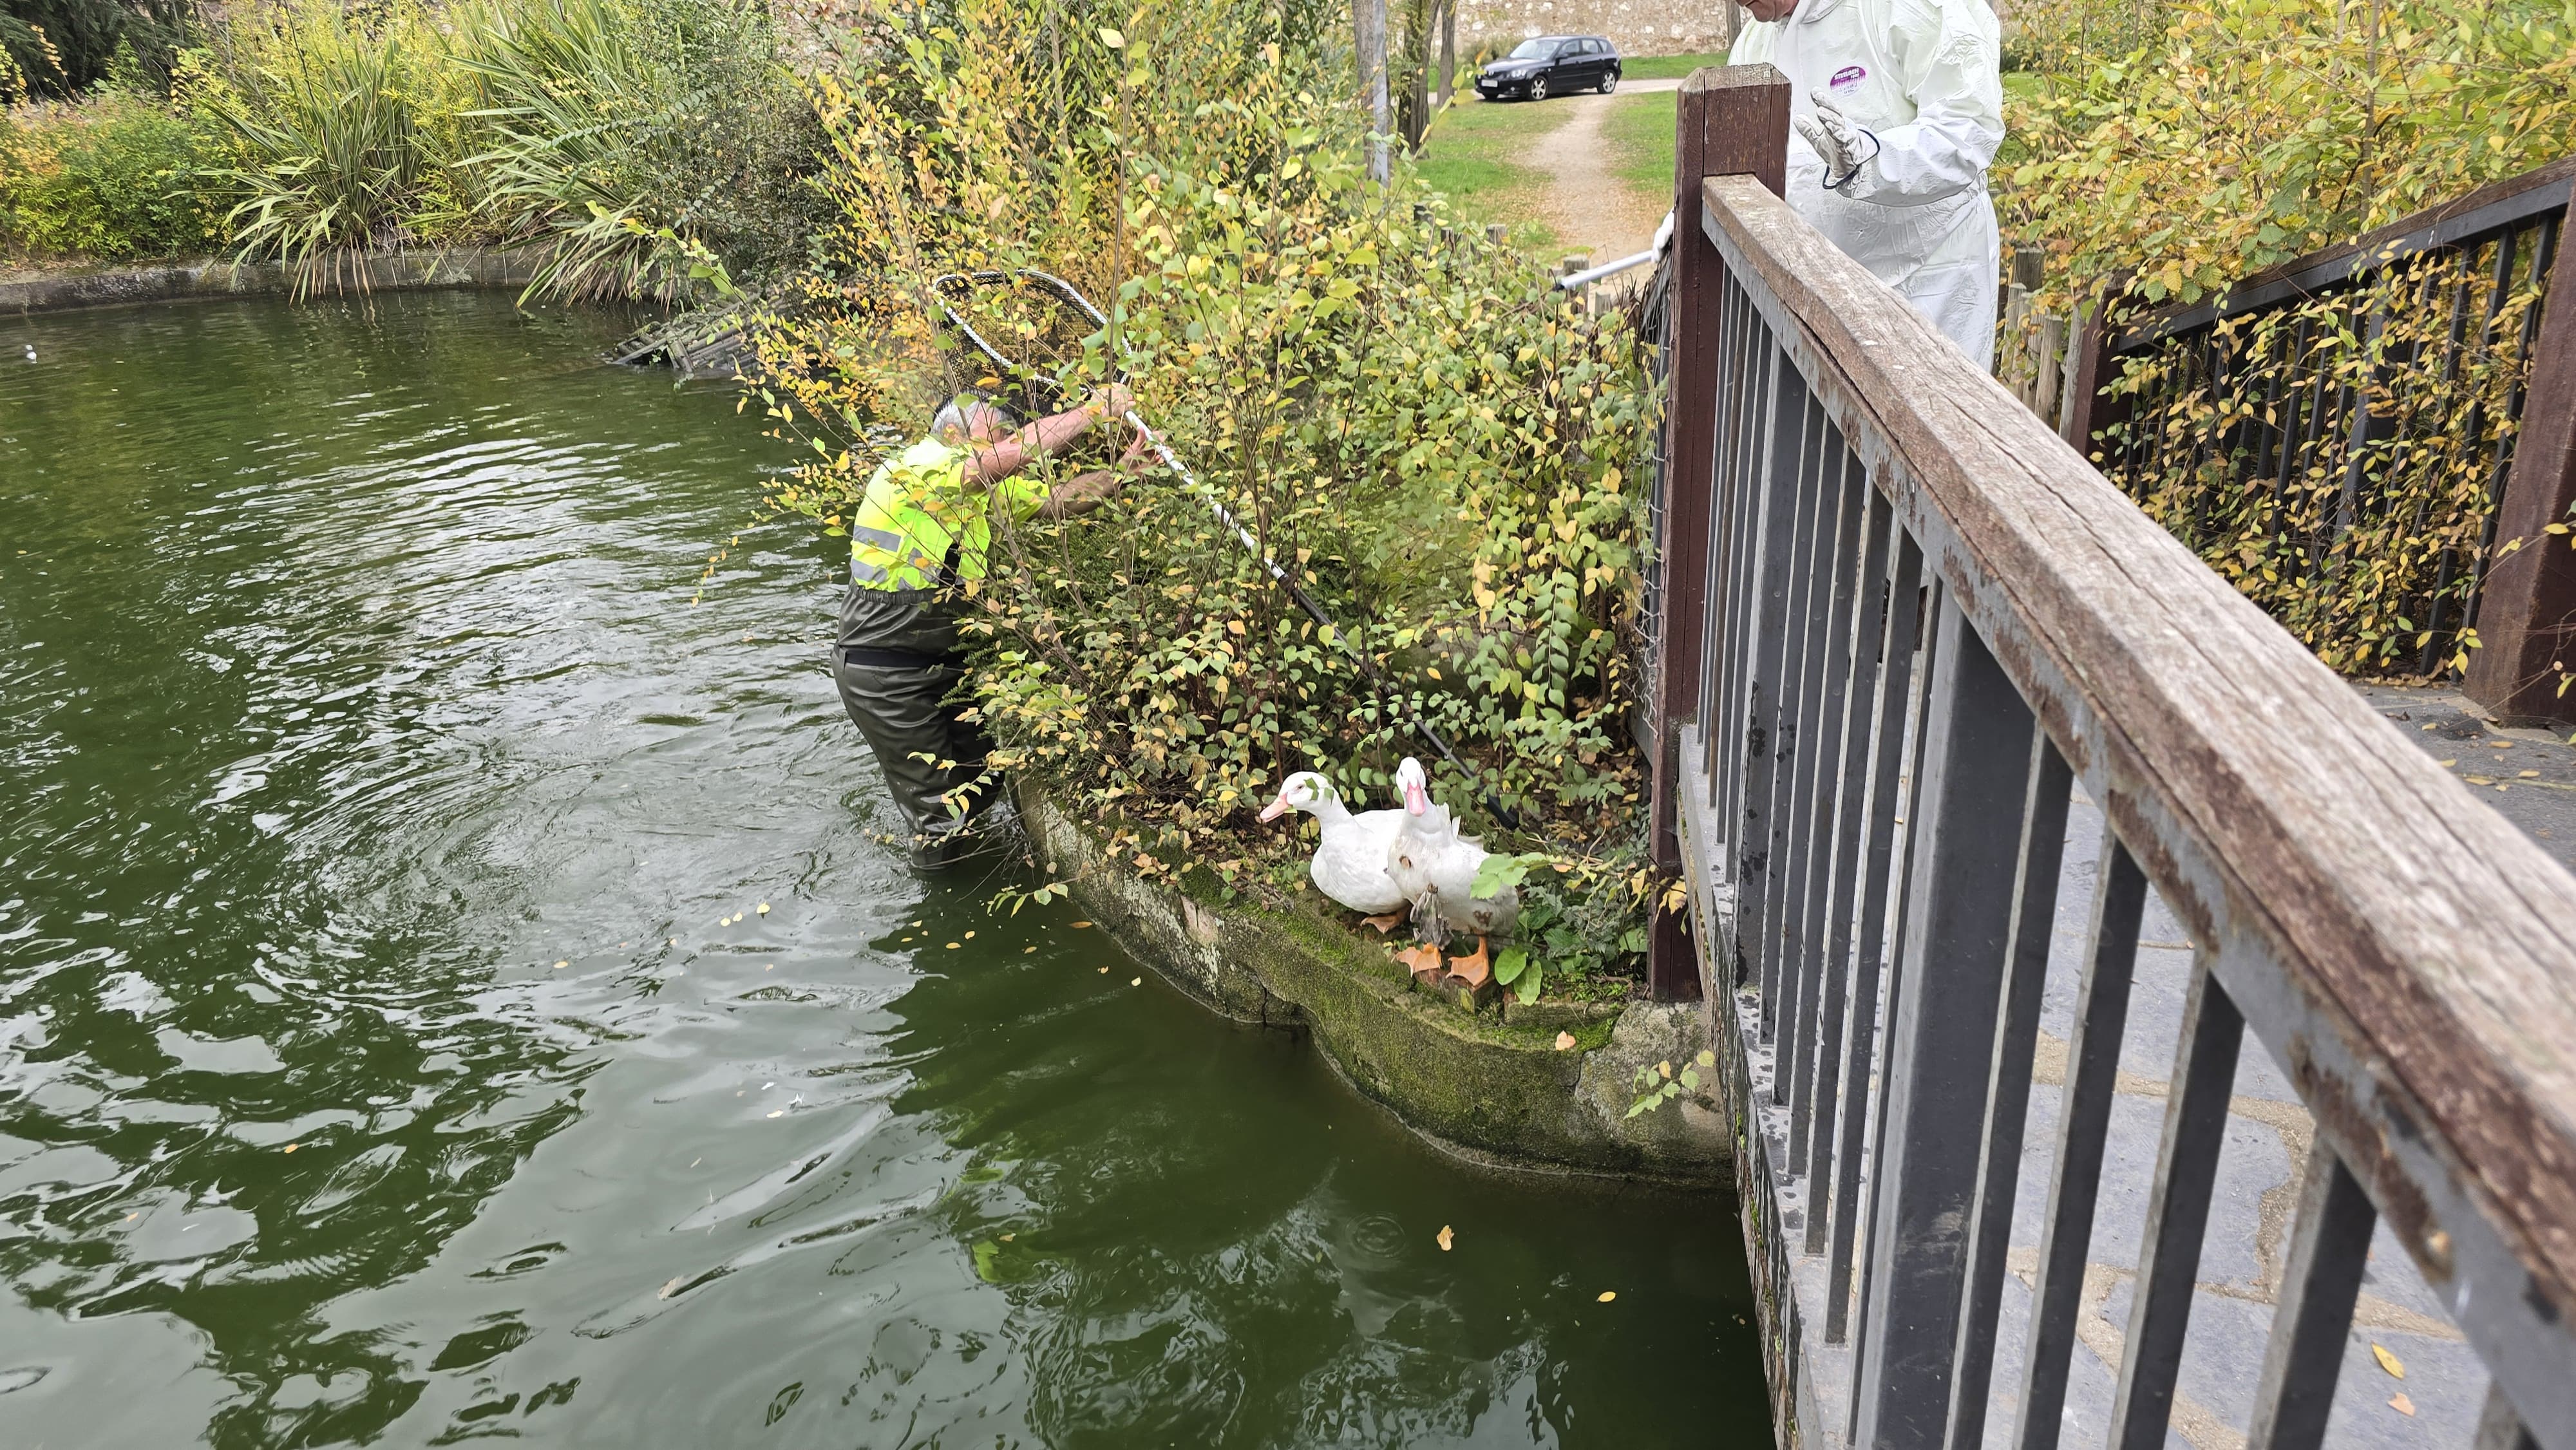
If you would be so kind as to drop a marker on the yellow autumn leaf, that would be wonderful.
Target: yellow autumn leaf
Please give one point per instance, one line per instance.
(1565, 1042)
(2396, 1367)
(1607, 1295)
(1445, 1237)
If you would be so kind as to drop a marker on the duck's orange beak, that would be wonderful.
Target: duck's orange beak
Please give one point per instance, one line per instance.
(1276, 809)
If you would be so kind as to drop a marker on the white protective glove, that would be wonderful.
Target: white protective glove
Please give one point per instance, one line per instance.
(1846, 148)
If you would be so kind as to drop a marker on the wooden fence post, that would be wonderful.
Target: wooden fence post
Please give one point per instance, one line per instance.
(2088, 412)
(2527, 606)
(1733, 120)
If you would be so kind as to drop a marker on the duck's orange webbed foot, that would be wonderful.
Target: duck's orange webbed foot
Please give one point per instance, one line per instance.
(1476, 968)
(1384, 924)
(1424, 962)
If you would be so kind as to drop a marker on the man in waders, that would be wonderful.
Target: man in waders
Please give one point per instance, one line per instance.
(922, 533)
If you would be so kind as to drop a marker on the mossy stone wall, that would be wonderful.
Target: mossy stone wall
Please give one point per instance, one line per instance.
(1491, 1085)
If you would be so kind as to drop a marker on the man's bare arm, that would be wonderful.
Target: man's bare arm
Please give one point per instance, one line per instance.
(992, 462)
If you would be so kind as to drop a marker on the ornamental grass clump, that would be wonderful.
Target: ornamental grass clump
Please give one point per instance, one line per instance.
(1445, 452)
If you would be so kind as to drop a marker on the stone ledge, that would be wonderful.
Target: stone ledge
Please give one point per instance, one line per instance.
(1490, 1086)
(78, 287)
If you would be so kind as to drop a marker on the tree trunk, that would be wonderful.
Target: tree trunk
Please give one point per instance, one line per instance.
(1368, 43)
(1448, 49)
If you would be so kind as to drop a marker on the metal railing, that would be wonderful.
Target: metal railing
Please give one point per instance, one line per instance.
(1911, 645)
(2339, 400)
(2317, 411)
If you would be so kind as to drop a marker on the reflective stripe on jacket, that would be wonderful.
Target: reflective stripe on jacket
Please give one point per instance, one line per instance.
(919, 525)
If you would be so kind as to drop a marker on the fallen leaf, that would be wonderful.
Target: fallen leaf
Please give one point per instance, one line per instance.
(2396, 1367)
(763, 908)
(675, 941)
(970, 936)
(559, 966)
(2500, 745)
(778, 1112)
(1138, 982)
(1445, 1236)
(952, 946)
(2528, 775)
(1006, 1238)
(1079, 925)
(1025, 951)
(1607, 1295)
(2479, 779)
(2446, 763)
(1565, 1042)
(676, 1281)
(2402, 1405)
(291, 1147)
(131, 1217)
(1104, 971)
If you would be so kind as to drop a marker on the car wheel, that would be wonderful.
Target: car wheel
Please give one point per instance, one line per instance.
(1538, 88)
(1610, 83)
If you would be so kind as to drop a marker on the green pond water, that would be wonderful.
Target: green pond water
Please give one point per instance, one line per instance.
(393, 1049)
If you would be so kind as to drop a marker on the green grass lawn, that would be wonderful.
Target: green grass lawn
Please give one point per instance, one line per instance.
(1640, 131)
(1663, 67)
(1468, 157)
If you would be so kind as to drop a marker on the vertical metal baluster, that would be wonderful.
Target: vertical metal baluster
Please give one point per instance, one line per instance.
(1848, 484)
(1777, 483)
(1801, 642)
(1764, 372)
(1737, 376)
(2499, 1428)
(1974, 768)
(1885, 804)
(2177, 1219)
(1738, 382)
(2329, 1244)
(2544, 250)
(2083, 1128)
(1909, 790)
(2016, 1036)
(1851, 817)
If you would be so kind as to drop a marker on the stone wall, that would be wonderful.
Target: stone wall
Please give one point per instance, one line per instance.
(1637, 27)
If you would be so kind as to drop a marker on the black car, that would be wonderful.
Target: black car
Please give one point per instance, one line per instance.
(1551, 65)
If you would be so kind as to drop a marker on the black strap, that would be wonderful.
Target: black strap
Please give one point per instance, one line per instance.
(893, 659)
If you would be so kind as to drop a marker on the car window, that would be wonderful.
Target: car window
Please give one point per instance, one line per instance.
(1533, 50)
(1592, 47)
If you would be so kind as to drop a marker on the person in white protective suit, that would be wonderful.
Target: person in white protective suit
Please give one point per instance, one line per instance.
(1896, 108)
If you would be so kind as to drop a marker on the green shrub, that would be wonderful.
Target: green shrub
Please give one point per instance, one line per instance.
(1436, 444)
(113, 179)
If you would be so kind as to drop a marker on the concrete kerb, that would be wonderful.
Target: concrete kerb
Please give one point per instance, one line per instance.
(82, 287)
(1490, 1087)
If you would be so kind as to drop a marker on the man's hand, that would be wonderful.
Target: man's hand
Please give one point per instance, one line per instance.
(1084, 492)
(1846, 148)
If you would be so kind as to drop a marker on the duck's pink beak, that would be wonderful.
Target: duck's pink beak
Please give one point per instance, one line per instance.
(1276, 809)
(1416, 799)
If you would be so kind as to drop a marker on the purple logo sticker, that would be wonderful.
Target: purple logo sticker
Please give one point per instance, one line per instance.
(1848, 77)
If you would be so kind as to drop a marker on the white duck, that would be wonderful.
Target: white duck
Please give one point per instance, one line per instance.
(1350, 865)
(1435, 867)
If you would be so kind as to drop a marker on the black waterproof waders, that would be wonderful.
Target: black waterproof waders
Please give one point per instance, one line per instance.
(897, 663)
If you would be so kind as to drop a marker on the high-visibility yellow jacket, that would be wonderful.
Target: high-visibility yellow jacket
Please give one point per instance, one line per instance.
(920, 525)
